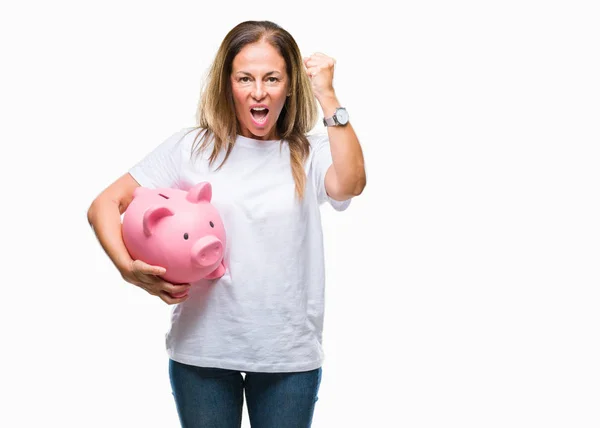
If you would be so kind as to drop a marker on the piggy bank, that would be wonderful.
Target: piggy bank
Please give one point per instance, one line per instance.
(178, 230)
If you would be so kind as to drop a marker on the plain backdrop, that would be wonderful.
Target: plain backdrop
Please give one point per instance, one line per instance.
(462, 285)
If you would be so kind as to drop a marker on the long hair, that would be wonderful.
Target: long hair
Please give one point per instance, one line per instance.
(216, 116)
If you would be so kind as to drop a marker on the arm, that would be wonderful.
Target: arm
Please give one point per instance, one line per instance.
(346, 177)
(104, 215)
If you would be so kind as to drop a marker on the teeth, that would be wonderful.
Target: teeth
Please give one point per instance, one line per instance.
(259, 108)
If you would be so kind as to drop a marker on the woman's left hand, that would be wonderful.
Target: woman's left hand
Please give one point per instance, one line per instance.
(319, 68)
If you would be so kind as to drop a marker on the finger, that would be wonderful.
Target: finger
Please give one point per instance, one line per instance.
(155, 270)
(309, 58)
(170, 300)
(310, 62)
(150, 269)
(175, 288)
(147, 289)
(312, 71)
(179, 295)
(319, 58)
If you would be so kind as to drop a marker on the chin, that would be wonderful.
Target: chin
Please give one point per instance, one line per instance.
(261, 134)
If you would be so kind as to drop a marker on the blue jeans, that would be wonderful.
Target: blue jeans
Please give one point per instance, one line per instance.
(213, 398)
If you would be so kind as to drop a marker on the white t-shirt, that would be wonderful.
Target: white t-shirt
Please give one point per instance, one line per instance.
(265, 314)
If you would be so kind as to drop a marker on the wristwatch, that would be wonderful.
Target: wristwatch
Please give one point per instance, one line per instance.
(339, 118)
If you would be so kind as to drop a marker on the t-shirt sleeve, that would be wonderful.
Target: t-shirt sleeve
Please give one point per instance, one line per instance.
(321, 161)
(161, 167)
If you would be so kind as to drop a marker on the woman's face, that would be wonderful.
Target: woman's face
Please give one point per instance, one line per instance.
(260, 85)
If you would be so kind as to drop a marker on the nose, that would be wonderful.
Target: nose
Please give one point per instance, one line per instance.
(207, 251)
(258, 91)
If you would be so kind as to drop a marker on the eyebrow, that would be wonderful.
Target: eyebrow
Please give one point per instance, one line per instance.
(250, 74)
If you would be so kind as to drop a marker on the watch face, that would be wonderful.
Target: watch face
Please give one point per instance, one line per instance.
(342, 116)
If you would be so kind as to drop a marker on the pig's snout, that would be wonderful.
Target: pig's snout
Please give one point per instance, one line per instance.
(207, 251)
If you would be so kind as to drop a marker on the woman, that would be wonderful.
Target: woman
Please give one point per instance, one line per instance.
(264, 316)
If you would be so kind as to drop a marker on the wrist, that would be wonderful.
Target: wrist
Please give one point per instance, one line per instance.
(329, 103)
(123, 265)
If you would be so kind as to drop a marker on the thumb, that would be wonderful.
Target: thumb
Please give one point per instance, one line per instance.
(156, 270)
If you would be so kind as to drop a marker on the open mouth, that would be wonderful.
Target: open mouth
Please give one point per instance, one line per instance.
(259, 115)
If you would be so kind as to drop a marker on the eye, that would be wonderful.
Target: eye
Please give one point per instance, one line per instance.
(244, 79)
(212, 224)
(186, 236)
(273, 79)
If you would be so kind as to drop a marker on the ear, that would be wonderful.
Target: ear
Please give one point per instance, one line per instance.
(152, 216)
(200, 192)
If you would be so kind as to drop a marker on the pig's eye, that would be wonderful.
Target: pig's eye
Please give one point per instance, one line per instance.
(212, 224)
(185, 236)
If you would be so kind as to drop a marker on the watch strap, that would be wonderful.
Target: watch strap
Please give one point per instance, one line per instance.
(329, 121)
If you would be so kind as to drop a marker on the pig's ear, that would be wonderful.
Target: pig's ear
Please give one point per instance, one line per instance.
(200, 192)
(152, 216)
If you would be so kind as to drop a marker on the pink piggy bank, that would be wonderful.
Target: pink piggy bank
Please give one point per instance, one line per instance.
(178, 230)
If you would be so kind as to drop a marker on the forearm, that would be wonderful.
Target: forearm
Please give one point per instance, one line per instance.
(346, 151)
(105, 218)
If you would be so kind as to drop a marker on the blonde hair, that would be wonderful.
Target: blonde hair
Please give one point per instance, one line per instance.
(216, 116)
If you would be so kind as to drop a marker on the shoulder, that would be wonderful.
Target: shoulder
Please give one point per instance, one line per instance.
(188, 135)
(184, 140)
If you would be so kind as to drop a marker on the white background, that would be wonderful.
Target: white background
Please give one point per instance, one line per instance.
(462, 285)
